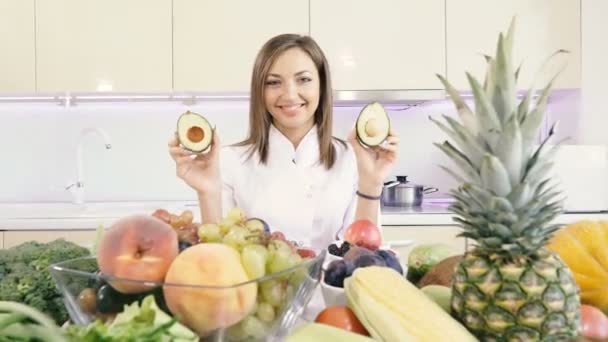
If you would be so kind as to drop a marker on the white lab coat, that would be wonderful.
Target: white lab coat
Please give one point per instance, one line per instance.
(293, 192)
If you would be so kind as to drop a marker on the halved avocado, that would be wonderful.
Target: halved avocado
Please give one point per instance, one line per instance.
(194, 132)
(373, 125)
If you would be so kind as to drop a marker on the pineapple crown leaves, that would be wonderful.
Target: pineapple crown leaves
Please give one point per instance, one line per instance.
(504, 201)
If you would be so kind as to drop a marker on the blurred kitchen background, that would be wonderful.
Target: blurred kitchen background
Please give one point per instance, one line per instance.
(70, 65)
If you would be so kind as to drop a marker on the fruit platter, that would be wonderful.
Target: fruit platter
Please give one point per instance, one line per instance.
(231, 281)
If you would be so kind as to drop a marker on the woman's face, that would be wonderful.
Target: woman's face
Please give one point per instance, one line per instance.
(292, 91)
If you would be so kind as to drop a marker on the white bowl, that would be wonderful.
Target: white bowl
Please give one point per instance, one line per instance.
(332, 295)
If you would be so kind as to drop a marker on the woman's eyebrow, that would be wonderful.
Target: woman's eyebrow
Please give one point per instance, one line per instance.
(296, 74)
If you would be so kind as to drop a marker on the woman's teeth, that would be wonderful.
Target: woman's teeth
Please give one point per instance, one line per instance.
(292, 107)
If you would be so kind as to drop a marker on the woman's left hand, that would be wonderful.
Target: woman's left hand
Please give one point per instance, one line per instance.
(374, 164)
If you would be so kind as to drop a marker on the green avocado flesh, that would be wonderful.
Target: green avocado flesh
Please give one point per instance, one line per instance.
(194, 132)
(373, 125)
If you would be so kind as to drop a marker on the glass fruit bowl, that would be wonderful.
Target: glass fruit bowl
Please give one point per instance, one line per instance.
(261, 309)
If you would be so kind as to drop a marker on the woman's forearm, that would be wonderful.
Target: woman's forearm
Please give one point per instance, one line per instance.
(210, 204)
(368, 208)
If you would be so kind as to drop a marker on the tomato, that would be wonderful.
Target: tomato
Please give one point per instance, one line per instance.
(594, 322)
(341, 317)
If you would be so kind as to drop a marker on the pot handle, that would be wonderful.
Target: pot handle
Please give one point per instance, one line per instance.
(429, 190)
(391, 184)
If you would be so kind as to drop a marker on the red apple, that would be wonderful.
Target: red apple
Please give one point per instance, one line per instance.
(364, 233)
(306, 253)
(594, 323)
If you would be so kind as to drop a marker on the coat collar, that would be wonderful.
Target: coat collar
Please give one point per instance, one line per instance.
(281, 150)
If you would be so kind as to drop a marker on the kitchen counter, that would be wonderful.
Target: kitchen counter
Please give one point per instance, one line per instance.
(438, 215)
(68, 216)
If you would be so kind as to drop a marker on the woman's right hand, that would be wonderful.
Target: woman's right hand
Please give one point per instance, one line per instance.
(200, 171)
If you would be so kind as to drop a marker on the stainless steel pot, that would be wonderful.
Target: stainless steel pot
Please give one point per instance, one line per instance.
(401, 193)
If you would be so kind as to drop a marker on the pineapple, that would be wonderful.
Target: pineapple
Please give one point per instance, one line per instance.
(509, 287)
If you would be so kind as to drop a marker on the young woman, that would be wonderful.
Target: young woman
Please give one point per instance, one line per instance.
(290, 171)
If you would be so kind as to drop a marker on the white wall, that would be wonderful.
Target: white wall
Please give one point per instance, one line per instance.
(39, 147)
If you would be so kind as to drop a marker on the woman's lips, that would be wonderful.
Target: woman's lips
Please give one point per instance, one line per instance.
(291, 110)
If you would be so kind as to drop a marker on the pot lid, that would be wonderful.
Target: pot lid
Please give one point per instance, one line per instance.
(402, 182)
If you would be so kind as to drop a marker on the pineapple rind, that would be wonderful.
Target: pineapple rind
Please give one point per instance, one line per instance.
(533, 301)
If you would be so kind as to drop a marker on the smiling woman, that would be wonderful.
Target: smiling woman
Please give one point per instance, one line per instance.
(290, 171)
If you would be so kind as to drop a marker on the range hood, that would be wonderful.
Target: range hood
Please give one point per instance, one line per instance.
(396, 97)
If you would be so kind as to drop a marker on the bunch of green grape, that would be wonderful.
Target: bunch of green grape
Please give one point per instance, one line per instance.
(262, 254)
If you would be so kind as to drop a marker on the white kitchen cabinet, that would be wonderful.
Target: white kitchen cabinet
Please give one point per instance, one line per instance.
(542, 27)
(17, 59)
(421, 235)
(85, 238)
(215, 42)
(103, 45)
(381, 45)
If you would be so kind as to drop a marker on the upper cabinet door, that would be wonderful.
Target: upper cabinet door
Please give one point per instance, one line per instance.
(542, 27)
(382, 44)
(215, 42)
(103, 45)
(17, 59)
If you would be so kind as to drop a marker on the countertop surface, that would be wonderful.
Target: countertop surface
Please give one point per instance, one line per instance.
(68, 216)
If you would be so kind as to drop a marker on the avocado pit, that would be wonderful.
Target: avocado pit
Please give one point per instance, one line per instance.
(196, 134)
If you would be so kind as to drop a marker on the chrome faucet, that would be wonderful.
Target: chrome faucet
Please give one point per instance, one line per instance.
(77, 187)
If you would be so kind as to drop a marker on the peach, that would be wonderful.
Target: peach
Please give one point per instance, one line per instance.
(139, 247)
(210, 302)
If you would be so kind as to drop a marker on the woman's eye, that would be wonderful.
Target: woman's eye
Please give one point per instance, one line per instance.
(272, 82)
(305, 79)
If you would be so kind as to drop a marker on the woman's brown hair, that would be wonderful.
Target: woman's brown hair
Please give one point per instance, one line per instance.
(260, 119)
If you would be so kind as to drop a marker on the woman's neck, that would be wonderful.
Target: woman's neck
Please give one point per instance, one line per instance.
(295, 135)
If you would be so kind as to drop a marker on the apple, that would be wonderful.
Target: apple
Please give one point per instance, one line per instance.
(306, 253)
(364, 233)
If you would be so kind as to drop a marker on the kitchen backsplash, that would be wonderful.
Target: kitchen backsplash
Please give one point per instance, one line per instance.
(39, 146)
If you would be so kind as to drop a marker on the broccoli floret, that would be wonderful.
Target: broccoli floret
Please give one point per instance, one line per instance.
(25, 278)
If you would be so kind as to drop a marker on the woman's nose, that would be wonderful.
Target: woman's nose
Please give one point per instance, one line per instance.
(290, 90)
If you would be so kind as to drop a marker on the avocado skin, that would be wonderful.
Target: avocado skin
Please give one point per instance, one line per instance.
(206, 122)
(362, 139)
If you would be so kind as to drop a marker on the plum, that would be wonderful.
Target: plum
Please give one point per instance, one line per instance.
(350, 268)
(391, 260)
(369, 260)
(355, 252)
(336, 272)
